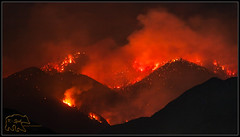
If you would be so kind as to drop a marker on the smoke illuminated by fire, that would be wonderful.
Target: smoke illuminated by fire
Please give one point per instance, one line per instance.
(69, 97)
(162, 38)
(72, 95)
(117, 58)
(142, 69)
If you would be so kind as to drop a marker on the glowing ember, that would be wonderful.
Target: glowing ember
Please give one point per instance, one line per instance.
(117, 87)
(156, 66)
(146, 67)
(215, 63)
(94, 116)
(142, 67)
(218, 67)
(60, 67)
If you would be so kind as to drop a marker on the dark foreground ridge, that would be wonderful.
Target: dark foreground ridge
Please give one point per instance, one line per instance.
(35, 94)
(209, 108)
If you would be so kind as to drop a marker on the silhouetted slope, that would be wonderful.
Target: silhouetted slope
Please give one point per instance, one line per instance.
(142, 99)
(162, 86)
(39, 95)
(207, 108)
(176, 75)
(55, 85)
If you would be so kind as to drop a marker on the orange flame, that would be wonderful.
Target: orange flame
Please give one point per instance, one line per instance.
(156, 66)
(118, 87)
(141, 68)
(68, 102)
(68, 99)
(60, 67)
(218, 67)
(215, 63)
(94, 116)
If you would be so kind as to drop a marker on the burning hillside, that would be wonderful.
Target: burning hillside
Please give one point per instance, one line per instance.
(141, 95)
(137, 70)
(163, 37)
(114, 63)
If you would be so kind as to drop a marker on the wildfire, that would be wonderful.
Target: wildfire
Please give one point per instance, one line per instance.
(60, 67)
(94, 116)
(145, 67)
(68, 99)
(141, 68)
(218, 67)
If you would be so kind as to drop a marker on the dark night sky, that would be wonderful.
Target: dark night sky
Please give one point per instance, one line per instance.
(37, 33)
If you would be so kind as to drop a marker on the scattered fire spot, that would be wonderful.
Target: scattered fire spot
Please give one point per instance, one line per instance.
(118, 87)
(95, 117)
(215, 63)
(60, 67)
(141, 68)
(218, 67)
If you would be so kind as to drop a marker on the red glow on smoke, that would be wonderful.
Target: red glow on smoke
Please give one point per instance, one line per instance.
(68, 99)
(139, 68)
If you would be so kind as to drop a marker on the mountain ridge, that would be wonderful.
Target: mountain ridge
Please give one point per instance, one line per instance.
(210, 107)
